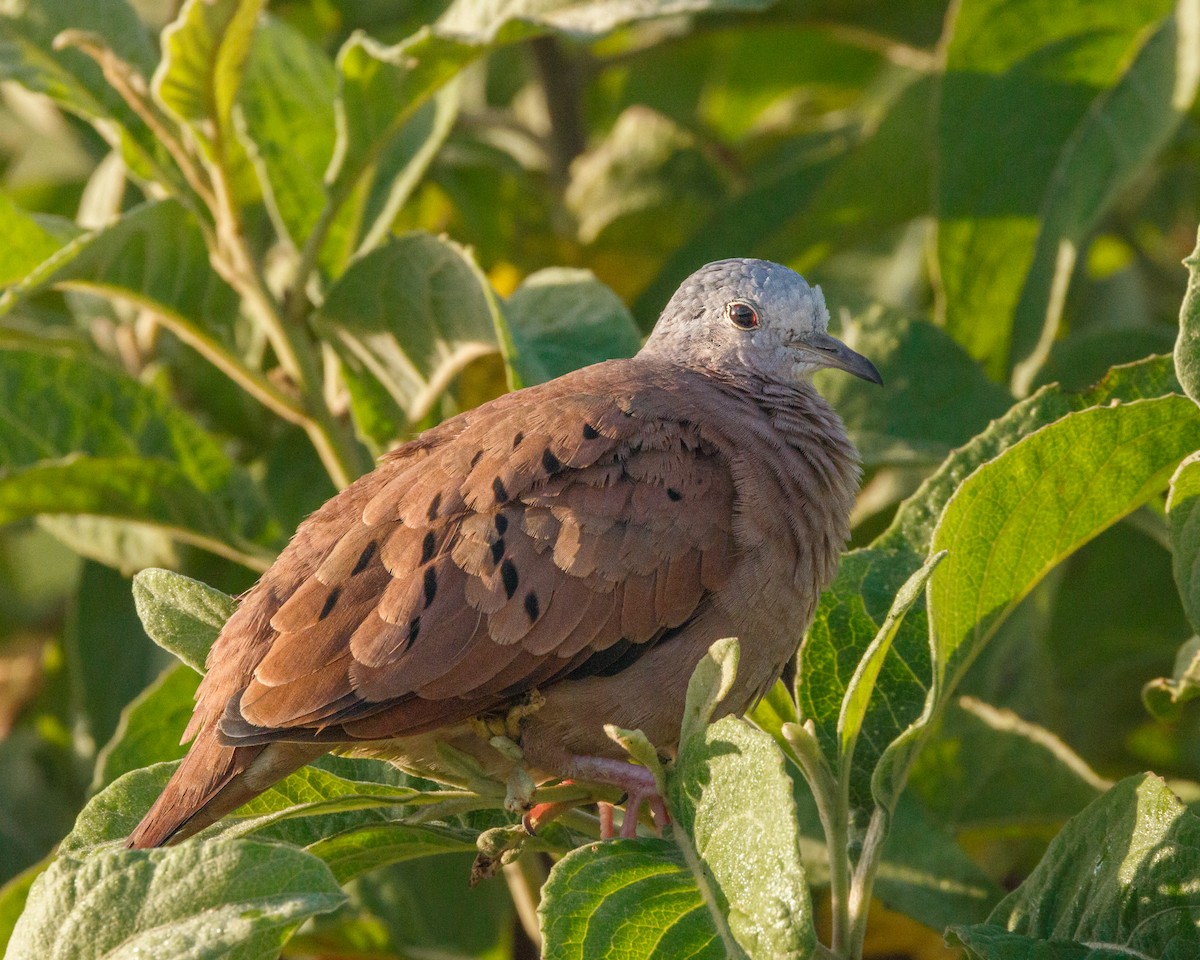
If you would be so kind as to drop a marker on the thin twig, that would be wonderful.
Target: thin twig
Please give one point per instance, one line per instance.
(525, 877)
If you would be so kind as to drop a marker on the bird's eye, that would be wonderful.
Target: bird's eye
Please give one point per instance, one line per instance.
(741, 314)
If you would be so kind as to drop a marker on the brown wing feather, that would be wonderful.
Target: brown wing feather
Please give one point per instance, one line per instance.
(511, 545)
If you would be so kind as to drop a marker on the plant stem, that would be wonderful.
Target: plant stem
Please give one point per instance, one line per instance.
(562, 89)
(342, 457)
(525, 877)
(863, 882)
(833, 809)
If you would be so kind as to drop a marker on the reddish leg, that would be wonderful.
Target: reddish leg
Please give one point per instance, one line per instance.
(638, 784)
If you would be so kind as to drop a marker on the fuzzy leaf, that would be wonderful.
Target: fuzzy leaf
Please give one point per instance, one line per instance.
(1117, 882)
(221, 898)
(181, 615)
(1046, 112)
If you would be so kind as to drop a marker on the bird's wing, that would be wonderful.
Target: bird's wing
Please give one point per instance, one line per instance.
(561, 529)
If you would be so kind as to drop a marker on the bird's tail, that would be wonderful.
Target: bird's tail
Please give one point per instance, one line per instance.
(213, 780)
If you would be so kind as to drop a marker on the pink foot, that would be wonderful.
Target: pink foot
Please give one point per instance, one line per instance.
(638, 784)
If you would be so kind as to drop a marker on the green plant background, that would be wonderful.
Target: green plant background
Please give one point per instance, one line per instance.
(246, 247)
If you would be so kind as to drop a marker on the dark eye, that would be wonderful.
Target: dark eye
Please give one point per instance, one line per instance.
(741, 314)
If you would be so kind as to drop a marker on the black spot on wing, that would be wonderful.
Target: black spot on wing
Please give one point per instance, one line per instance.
(508, 574)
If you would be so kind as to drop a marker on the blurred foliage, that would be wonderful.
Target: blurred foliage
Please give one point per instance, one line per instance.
(250, 246)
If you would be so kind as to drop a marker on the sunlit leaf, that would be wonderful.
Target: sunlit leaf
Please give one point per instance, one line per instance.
(107, 445)
(180, 614)
(1117, 882)
(203, 900)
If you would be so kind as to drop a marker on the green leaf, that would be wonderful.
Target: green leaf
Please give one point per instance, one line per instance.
(1183, 506)
(30, 240)
(732, 799)
(936, 397)
(305, 807)
(365, 848)
(406, 319)
(201, 900)
(107, 445)
(647, 165)
(153, 256)
(1118, 881)
(204, 57)
(1016, 517)
(564, 319)
(181, 615)
(380, 89)
(403, 161)
(109, 658)
(732, 881)
(287, 123)
(1019, 515)
(151, 726)
(1187, 347)
(1165, 697)
(1123, 132)
(912, 528)
(988, 774)
(861, 685)
(507, 21)
(849, 616)
(595, 893)
(13, 897)
(1045, 114)
(711, 680)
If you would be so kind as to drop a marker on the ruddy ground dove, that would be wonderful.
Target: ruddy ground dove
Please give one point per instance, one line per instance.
(586, 539)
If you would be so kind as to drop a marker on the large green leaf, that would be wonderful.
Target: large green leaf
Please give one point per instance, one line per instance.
(221, 898)
(912, 528)
(204, 57)
(180, 614)
(107, 445)
(849, 617)
(1046, 112)
(1187, 347)
(565, 319)
(1183, 506)
(731, 884)
(153, 256)
(594, 896)
(406, 319)
(507, 21)
(30, 240)
(286, 99)
(987, 768)
(1117, 882)
(150, 727)
(1019, 515)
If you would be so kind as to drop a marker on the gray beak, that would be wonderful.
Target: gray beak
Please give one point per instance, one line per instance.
(831, 352)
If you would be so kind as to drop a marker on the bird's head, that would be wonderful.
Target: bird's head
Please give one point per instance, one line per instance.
(755, 315)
